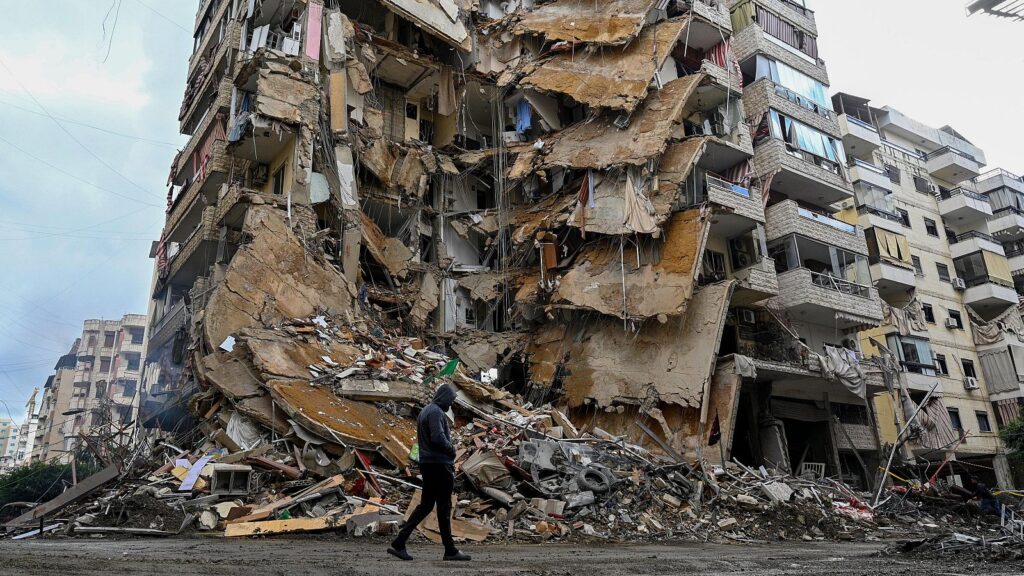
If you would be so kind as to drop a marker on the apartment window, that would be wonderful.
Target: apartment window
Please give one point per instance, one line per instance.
(915, 353)
(279, 181)
(943, 271)
(954, 418)
(128, 388)
(931, 228)
(893, 173)
(917, 265)
(108, 339)
(904, 217)
(955, 315)
(983, 424)
(929, 314)
(101, 389)
(104, 363)
(922, 184)
(714, 267)
(940, 364)
(133, 361)
(91, 340)
(137, 335)
(969, 368)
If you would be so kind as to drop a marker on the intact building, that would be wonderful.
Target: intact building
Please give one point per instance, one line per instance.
(95, 388)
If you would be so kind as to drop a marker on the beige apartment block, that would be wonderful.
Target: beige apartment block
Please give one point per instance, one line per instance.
(95, 389)
(939, 232)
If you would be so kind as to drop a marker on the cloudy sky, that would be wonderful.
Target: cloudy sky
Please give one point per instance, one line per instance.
(79, 205)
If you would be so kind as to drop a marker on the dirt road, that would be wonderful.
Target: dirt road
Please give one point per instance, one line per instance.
(294, 557)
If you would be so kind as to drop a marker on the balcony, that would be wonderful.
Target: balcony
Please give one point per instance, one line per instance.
(787, 217)
(752, 40)
(196, 254)
(739, 199)
(861, 171)
(962, 207)
(892, 279)
(826, 300)
(872, 217)
(949, 164)
(185, 210)
(989, 296)
(802, 176)
(918, 381)
(971, 242)
(1015, 260)
(859, 137)
(768, 94)
(998, 178)
(755, 283)
(1007, 224)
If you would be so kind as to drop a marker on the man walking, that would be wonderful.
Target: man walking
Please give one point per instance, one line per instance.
(437, 466)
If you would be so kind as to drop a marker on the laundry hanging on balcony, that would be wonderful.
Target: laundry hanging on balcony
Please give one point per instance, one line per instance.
(843, 366)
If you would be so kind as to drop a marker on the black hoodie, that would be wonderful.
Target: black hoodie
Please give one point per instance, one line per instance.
(434, 437)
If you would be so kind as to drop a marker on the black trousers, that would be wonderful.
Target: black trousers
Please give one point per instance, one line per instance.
(438, 485)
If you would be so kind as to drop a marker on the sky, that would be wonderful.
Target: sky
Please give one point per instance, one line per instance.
(80, 206)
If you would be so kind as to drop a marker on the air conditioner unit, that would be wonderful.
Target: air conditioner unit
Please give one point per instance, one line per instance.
(970, 383)
(952, 323)
(747, 316)
(959, 284)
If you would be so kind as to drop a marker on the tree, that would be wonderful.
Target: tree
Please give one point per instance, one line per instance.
(39, 482)
(1012, 435)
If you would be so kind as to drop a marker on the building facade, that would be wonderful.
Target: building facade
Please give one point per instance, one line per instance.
(8, 443)
(94, 391)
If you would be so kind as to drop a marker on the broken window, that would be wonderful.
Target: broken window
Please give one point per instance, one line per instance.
(137, 335)
(279, 181)
(132, 360)
(940, 364)
(128, 388)
(931, 228)
(929, 314)
(799, 136)
(893, 172)
(915, 353)
(714, 267)
(983, 424)
(904, 217)
(954, 418)
(969, 368)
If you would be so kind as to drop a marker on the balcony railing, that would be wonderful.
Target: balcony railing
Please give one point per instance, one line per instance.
(1014, 252)
(839, 285)
(983, 279)
(1000, 212)
(867, 209)
(858, 163)
(803, 101)
(969, 235)
(855, 120)
(713, 182)
(996, 172)
(827, 220)
(949, 150)
(959, 190)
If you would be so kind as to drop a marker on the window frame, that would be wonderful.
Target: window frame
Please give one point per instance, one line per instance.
(931, 227)
(918, 267)
(956, 315)
(967, 365)
(928, 312)
(943, 270)
(940, 365)
(954, 418)
(982, 416)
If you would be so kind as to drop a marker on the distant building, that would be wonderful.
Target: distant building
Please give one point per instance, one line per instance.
(94, 388)
(8, 442)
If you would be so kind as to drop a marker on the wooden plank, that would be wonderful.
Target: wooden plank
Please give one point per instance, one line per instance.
(265, 511)
(267, 463)
(81, 490)
(284, 526)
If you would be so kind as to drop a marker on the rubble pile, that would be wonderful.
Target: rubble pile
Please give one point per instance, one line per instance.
(309, 426)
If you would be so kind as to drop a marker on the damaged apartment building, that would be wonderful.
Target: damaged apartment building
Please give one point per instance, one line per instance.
(626, 211)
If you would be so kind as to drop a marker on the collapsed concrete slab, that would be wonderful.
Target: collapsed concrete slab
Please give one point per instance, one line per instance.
(271, 278)
(604, 22)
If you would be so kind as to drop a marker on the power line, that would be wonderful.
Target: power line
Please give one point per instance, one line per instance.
(68, 132)
(69, 174)
(151, 9)
(99, 128)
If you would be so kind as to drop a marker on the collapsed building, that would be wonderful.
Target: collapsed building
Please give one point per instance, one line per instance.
(625, 212)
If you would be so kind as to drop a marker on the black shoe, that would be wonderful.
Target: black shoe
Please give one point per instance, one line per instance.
(457, 556)
(400, 553)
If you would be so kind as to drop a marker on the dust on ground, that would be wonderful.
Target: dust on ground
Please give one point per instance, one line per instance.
(332, 555)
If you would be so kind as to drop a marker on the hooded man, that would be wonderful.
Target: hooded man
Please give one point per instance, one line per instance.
(437, 466)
